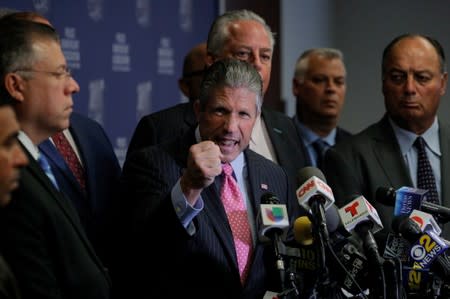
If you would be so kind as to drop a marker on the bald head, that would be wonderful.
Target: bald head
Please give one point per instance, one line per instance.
(193, 68)
(28, 16)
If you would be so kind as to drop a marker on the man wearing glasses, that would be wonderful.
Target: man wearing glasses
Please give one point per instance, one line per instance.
(42, 237)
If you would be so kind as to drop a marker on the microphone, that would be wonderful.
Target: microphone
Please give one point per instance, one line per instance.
(274, 224)
(315, 196)
(355, 279)
(425, 247)
(303, 231)
(360, 217)
(313, 188)
(274, 219)
(425, 221)
(406, 199)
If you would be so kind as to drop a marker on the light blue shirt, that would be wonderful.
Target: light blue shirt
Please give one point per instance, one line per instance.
(308, 137)
(406, 139)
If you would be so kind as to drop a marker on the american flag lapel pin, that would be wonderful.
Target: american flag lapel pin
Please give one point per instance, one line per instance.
(264, 186)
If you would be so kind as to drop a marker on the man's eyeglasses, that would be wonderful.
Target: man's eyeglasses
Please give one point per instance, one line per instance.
(65, 73)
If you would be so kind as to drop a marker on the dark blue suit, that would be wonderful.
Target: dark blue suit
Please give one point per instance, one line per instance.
(102, 171)
(203, 265)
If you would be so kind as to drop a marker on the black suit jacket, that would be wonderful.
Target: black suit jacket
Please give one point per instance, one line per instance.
(162, 125)
(102, 173)
(8, 284)
(202, 265)
(289, 149)
(372, 159)
(341, 134)
(45, 244)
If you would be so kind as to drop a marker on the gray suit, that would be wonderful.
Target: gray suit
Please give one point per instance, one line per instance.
(372, 159)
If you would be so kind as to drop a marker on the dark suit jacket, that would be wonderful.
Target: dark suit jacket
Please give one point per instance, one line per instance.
(203, 265)
(102, 171)
(8, 284)
(372, 159)
(341, 134)
(162, 125)
(45, 244)
(289, 149)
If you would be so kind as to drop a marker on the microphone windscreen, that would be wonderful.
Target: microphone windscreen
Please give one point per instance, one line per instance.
(332, 218)
(385, 196)
(269, 198)
(307, 172)
(303, 231)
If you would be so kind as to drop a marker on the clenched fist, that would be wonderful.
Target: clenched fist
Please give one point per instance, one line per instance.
(203, 165)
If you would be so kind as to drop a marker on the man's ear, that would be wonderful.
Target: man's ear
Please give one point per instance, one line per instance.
(184, 87)
(14, 84)
(209, 59)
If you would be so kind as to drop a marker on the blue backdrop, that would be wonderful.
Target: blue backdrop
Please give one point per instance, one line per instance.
(126, 55)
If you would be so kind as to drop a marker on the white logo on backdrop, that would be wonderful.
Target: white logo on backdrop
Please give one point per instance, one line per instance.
(143, 10)
(42, 6)
(166, 62)
(144, 99)
(71, 48)
(96, 99)
(95, 9)
(121, 59)
(186, 15)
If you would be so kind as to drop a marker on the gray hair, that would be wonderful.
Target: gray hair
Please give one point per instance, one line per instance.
(231, 73)
(302, 64)
(219, 31)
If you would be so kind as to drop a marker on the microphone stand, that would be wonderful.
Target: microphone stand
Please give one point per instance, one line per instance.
(321, 233)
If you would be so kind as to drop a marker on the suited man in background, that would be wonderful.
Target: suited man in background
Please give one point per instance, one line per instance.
(42, 237)
(383, 155)
(319, 86)
(175, 192)
(12, 159)
(168, 123)
(93, 190)
(244, 35)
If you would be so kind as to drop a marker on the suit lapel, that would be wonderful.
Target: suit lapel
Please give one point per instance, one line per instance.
(58, 161)
(388, 154)
(444, 139)
(217, 217)
(60, 200)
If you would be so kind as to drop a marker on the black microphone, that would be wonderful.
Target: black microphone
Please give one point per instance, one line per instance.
(316, 196)
(427, 249)
(274, 222)
(391, 197)
(361, 218)
(355, 279)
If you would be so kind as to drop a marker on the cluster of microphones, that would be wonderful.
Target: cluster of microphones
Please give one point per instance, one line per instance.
(335, 254)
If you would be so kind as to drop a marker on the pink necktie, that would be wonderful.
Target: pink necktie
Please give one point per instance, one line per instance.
(233, 203)
(66, 150)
